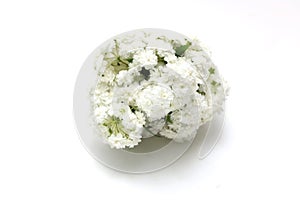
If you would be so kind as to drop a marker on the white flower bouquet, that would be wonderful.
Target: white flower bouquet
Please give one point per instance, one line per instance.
(150, 84)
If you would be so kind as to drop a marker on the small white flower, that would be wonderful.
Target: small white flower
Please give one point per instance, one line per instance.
(155, 101)
(145, 58)
(107, 77)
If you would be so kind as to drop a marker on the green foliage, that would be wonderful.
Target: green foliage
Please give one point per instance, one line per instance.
(211, 70)
(168, 118)
(179, 51)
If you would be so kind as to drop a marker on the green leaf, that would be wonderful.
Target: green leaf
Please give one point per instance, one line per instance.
(161, 60)
(129, 60)
(119, 65)
(201, 92)
(119, 68)
(168, 118)
(214, 83)
(211, 70)
(179, 51)
(133, 108)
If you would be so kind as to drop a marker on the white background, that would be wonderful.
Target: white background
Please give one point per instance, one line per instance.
(256, 46)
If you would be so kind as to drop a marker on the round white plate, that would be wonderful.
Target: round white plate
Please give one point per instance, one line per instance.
(151, 154)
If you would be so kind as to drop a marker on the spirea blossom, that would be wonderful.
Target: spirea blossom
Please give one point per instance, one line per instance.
(169, 90)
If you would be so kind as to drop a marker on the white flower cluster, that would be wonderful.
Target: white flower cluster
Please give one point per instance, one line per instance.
(170, 90)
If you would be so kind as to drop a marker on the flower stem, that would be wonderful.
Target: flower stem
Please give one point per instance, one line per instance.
(149, 131)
